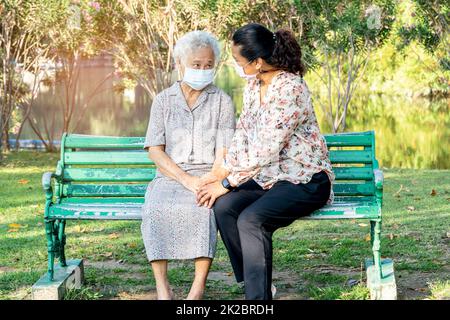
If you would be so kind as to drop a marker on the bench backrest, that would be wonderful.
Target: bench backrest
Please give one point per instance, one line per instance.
(111, 167)
(103, 166)
(353, 159)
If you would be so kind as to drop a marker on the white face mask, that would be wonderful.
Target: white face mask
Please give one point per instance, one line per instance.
(240, 71)
(198, 79)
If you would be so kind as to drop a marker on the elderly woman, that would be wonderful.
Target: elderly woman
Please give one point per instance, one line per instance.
(191, 124)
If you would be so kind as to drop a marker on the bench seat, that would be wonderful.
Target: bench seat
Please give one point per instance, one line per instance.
(130, 209)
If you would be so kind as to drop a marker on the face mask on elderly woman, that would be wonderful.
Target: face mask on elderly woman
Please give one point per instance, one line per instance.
(198, 78)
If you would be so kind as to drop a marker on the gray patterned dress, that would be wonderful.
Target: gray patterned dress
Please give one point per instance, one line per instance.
(173, 226)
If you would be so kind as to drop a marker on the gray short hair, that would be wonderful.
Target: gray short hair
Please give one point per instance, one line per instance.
(193, 40)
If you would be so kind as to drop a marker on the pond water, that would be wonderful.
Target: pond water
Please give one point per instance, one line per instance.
(410, 133)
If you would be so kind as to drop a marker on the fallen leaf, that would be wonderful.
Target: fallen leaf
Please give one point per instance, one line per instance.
(397, 194)
(229, 274)
(23, 181)
(410, 208)
(362, 224)
(132, 245)
(393, 236)
(367, 237)
(13, 230)
(107, 254)
(79, 229)
(433, 192)
(395, 226)
(422, 289)
(113, 235)
(15, 225)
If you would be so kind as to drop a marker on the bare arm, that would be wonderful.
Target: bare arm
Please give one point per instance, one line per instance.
(217, 169)
(217, 173)
(169, 168)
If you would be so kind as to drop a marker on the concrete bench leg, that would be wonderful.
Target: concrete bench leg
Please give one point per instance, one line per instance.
(384, 288)
(69, 277)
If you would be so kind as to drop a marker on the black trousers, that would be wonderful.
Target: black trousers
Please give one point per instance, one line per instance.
(248, 216)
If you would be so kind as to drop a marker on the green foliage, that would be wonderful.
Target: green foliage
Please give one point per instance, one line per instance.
(82, 294)
(335, 26)
(427, 23)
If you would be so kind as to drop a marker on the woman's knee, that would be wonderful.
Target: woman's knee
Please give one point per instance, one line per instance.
(249, 219)
(222, 207)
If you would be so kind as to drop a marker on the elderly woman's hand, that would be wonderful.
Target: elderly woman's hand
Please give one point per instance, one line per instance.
(207, 195)
(191, 182)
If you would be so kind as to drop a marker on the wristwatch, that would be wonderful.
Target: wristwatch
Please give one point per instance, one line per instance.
(226, 184)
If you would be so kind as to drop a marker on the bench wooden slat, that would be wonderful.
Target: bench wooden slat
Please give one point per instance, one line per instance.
(354, 189)
(106, 142)
(353, 173)
(350, 139)
(349, 210)
(136, 190)
(104, 190)
(350, 156)
(107, 157)
(109, 174)
(98, 212)
(341, 199)
(110, 201)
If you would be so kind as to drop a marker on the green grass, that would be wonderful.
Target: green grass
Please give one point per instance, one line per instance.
(312, 259)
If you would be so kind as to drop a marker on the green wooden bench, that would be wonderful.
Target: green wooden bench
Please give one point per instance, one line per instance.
(105, 178)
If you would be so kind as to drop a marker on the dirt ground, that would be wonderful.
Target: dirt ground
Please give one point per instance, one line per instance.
(410, 285)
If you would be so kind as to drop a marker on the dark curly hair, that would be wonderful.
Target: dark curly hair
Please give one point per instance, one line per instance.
(280, 49)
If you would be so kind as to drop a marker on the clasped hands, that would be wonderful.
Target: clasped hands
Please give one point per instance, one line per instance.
(206, 188)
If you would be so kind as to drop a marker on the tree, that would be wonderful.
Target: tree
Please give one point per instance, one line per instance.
(143, 33)
(76, 39)
(427, 23)
(23, 45)
(339, 38)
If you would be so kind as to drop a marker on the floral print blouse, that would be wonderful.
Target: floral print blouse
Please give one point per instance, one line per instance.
(279, 139)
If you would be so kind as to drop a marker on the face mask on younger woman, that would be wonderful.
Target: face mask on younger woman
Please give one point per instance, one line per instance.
(240, 71)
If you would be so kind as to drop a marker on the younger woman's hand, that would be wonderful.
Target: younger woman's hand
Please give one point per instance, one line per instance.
(207, 195)
(208, 178)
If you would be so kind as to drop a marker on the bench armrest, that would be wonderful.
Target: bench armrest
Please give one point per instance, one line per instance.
(46, 184)
(379, 178)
